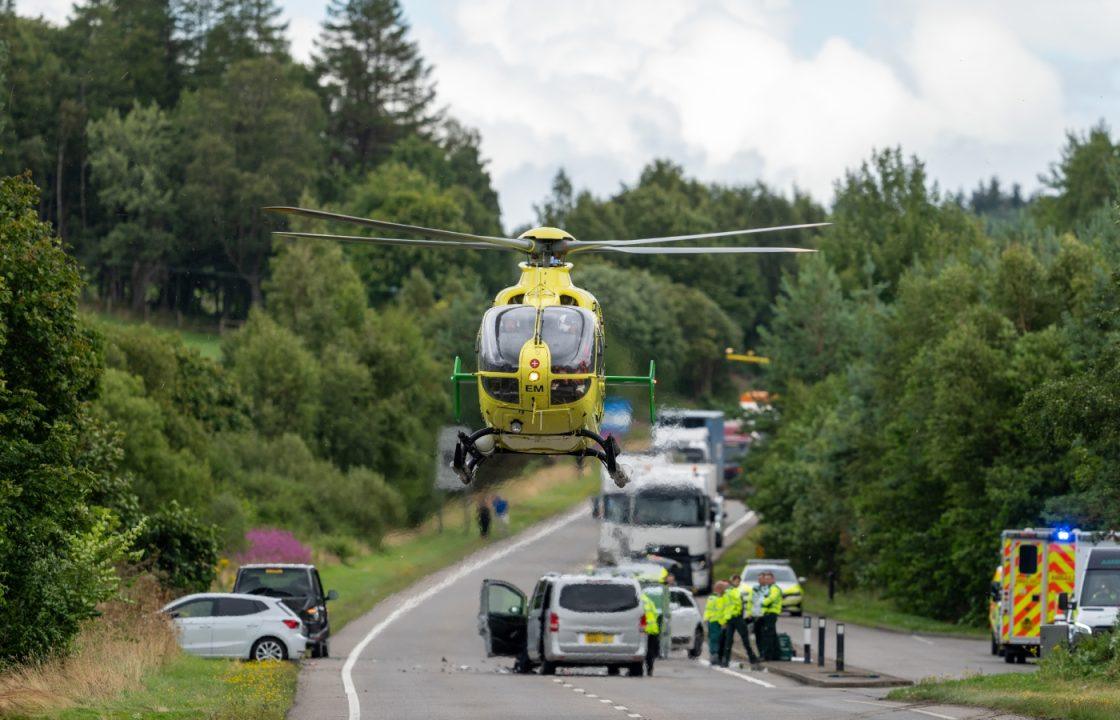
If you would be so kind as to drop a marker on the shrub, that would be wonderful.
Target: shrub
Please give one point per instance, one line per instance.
(181, 548)
(273, 545)
(340, 546)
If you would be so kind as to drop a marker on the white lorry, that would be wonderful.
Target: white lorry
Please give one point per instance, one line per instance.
(1096, 591)
(668, 510)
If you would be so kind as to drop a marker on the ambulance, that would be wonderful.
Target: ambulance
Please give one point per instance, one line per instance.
(1036, 566)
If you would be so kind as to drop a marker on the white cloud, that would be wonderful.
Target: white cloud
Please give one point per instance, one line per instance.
(603, 88)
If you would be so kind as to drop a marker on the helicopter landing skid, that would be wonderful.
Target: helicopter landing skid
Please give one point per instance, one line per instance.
(468, 456)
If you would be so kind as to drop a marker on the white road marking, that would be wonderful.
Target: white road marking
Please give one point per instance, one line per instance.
(355, 712)
(591, 695)
(604, 700)
(732, 673)
(932, 714)
(921, 639)
(633, 715)
(623, 708)
(750, 515)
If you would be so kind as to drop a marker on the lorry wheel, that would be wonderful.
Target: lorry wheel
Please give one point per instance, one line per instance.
(1021, 657)
(1009, 655)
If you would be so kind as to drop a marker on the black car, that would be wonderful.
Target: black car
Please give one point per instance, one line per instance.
(299, 588)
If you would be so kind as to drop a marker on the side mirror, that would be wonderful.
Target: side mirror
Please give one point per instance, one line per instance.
(332, 595)
(802, 579)
(1063, 602)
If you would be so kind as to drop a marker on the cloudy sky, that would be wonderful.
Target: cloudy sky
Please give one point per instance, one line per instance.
(789, 92)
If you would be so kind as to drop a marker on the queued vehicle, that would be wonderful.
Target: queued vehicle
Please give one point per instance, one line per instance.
(570, 620)
(685, 621)
(237, 626)
(784, 577)
(299, 587)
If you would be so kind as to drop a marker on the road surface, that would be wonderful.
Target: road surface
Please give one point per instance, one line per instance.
(418, 655)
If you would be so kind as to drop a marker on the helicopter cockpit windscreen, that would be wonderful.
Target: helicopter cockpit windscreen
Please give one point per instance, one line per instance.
(570, 335)
(505, 330)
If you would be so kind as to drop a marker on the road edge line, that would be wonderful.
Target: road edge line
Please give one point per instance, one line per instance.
(409, 603)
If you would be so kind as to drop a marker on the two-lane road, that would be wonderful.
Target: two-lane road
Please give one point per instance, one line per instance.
(418, 655)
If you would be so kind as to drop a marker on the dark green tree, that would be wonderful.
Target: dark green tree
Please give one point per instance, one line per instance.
(56, 552)
(376, 83)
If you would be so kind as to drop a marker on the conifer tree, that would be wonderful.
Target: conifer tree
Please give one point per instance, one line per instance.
(376, 83)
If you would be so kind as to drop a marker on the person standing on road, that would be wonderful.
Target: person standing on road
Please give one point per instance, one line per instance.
(501, 510)
(483, 519)
(713, 615)
(766, 626)
(739, 598)
(653, 631)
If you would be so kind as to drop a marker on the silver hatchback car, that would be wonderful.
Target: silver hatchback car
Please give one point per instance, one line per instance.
(569, 620)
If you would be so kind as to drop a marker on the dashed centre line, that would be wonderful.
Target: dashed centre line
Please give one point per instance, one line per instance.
(606, 701)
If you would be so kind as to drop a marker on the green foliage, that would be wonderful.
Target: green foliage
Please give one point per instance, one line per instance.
(277, 373)
(973, 397)
(374, 79)
(180, 547)
(1086, 178)
(54, 549)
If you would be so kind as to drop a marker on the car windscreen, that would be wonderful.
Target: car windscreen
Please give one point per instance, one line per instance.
(570, 335)
(683, 510)
(505, 330)
(598, 597)
(782, 573)
(1102, 588)
(274, 582)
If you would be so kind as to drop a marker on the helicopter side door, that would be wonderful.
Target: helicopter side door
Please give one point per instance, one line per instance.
(502, 619)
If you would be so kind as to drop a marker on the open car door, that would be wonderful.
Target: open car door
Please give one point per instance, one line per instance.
(502, 618)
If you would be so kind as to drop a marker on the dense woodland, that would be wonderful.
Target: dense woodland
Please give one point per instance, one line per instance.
(945, 364)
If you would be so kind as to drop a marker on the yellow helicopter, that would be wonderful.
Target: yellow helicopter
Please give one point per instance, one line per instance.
(541, 379)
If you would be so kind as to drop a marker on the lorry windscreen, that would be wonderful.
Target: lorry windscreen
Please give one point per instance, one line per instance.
(616, 508)
(1102, 588)
(598, 597)
(683, 510)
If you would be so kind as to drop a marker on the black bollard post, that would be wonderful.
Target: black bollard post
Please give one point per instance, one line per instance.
(839, 647)
(807, 625)
(831, 585)
(821, 623)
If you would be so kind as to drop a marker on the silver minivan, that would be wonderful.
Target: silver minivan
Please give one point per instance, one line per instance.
(569, 620)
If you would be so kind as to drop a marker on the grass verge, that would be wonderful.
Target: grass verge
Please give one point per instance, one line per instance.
(850, 605)
(1031, 694)
(208, 344)
(407, 557)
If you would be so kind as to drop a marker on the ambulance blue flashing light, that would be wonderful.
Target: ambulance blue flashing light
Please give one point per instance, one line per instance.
(1064, 535)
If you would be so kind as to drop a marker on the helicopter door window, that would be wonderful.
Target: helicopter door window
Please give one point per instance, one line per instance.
(569, 333)
(505, 330)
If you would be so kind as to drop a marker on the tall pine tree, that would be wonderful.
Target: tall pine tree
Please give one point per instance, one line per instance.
(376, 83)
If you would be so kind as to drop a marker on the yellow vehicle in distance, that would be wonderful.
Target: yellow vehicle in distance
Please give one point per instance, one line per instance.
(784, 577)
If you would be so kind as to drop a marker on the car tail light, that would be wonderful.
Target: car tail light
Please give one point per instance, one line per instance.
(553, 622)
(292, 624)
(642, 623)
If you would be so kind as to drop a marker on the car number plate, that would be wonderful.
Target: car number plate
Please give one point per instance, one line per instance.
(598, 638)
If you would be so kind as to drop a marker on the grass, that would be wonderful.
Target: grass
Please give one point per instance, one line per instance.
(193, 687)
(407, 557)
(1034, 694)
(849, 605)
(208, 344)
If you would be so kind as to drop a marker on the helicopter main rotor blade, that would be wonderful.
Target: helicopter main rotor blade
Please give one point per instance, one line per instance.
(697, 250)
(448, 235)
(581, 246)
(360, 239)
